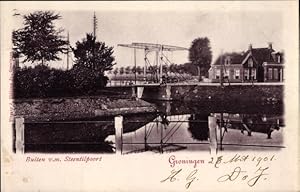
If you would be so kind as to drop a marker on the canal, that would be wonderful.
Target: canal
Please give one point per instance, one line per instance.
(176, 126)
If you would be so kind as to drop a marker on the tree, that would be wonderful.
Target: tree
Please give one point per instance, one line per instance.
(139, 70)
(41, 81)
(152, 69)
(121, 70)
(86, 81)
(133, 70)
(38, 40)
(116, 70)
(92, 59)
(127, 70)
(190, 69)
(200, 55)
(172, 68)
(165, 69)
(93, 54)
(180, 68)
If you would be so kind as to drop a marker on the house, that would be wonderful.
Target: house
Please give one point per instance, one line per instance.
(14, 60)
(254, 65)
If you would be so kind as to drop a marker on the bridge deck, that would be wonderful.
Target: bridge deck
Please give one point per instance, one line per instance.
(196, 84)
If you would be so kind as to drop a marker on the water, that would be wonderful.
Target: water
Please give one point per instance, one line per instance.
(176, 127)
(183, 127)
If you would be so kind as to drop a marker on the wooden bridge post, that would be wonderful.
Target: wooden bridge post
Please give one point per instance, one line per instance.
(168, 92)
(119, 134)
(20, 140)
(212, 124)
(168, 108)
(133, 90)
(140, 91)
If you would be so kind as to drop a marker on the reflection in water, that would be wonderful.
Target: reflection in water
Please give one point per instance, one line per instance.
(187, 130)
(177, 126)
(198, 126)
(82, 136)
(165, 133)
(254, 123)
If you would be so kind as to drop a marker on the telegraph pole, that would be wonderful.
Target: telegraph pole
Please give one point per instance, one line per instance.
(157, 64)
(94, 24)
(221, 70)
(134, 65)
(68, 51)
(94, 34)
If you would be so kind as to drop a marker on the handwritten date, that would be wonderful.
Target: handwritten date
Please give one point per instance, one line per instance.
(218, 161)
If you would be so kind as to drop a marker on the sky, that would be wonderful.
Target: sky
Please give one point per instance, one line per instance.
(227, 30)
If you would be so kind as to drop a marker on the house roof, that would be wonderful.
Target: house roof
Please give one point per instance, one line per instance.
(260, 55)
(236, 58)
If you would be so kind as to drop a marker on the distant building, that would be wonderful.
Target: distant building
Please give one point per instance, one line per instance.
(14, 60)
(254, 65)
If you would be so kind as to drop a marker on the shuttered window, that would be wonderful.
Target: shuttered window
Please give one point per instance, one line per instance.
(218, 73)
(237, 73)
(246, 74)
(275, 73)
(270, 73)
(253, 74)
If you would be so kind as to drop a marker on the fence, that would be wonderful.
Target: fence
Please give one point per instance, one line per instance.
(118, 122)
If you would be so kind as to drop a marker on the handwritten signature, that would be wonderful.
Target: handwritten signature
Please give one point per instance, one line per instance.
(239, 173)
(175, 175)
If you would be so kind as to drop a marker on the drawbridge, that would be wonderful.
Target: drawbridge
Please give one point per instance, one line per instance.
(161, 58)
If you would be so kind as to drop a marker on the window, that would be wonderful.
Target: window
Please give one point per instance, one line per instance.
(275, 73)
(253, 74)
(250, 63)
(270, 73)
(278, 59)
(226, 73)
(218, 73)
(227, 60)
(246, 74)
(237, 73)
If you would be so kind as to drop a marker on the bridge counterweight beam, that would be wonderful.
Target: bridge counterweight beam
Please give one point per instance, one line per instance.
(134, 65)
(161, 64)
(157, 65)
(145, 67)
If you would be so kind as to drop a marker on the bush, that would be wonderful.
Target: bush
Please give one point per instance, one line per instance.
(42, 81)
(87, 80)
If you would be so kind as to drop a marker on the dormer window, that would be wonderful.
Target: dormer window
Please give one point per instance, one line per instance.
(250, 62)
(227, 60)
(278, 59)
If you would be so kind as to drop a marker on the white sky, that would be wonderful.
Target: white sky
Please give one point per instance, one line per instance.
(227, 30)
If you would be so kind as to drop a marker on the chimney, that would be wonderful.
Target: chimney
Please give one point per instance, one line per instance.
(250, 47)
(270, 45)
